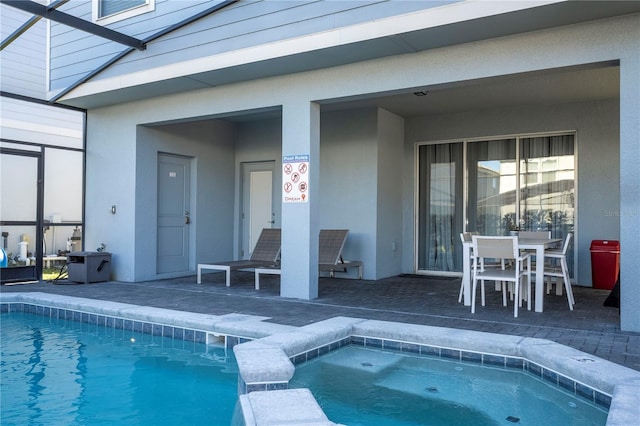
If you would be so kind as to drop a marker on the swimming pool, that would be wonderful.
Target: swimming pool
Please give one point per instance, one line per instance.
(56, 371)
(267, 352)
(363, 386)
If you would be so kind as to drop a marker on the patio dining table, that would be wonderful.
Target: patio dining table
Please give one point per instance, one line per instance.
(537, 244)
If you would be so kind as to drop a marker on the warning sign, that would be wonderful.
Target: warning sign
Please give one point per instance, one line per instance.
(295, 178)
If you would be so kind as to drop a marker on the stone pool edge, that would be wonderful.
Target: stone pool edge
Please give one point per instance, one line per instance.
(267, 353)
(605, 383)
(237, 325)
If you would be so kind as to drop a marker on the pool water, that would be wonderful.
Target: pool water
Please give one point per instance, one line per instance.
(57, 372)
(363, 386)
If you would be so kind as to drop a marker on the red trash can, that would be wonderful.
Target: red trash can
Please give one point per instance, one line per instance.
(605, 263)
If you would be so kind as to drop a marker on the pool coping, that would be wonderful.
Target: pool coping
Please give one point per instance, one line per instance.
(267, 352)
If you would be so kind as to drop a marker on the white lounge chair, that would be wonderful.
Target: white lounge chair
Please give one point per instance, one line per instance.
(266, 253)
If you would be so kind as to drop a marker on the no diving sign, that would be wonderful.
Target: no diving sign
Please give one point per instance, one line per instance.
(295, 178)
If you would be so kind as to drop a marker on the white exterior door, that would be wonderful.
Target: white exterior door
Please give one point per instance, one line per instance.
(257, 203)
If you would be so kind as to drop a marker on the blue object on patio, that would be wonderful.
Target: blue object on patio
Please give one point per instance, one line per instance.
(3, 258)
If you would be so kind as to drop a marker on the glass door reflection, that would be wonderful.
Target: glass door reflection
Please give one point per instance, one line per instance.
(492, 187)
(440, 200)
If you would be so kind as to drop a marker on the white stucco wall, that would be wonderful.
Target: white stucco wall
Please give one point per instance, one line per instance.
(348, 149)
(353, 196)
(389, 193)
(210, 146)
(110, 180)
(630, 186)
(122, 171)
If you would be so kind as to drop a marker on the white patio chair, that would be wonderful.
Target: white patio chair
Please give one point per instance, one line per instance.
(502, 249)
(553, 270)
(533, 235)
(465, 237)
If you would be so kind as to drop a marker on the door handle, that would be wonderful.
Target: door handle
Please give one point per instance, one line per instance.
(187, 218)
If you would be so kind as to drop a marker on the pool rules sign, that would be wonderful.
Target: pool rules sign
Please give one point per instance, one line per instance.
(295, 178)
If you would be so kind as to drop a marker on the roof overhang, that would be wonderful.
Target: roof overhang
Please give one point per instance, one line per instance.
(429, 29)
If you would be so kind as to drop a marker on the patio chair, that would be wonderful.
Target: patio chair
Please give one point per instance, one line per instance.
(553, 270)
(465, 237)
(331, 242)
(501, 249)
(265, 254)
(534, 235)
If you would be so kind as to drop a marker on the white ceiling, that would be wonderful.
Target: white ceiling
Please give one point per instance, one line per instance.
(598, 82)
(563, 86)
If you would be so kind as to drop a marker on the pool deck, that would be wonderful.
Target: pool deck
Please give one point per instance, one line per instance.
(590, 327)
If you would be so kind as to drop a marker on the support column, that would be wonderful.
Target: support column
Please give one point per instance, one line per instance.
(630, 191)
(300, 204)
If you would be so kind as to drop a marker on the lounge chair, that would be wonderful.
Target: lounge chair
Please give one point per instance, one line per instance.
(331, 242)
(265, 254)
(330, 259)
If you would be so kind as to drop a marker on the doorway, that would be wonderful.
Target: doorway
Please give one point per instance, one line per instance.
(257, 203)
(495, 187)
(174, 217)
(21, 177)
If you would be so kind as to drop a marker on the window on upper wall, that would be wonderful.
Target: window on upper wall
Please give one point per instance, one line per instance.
(109, 11)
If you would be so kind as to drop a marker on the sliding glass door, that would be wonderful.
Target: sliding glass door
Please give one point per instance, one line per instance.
(547, 187)
(494, 187)
(440, 197)
(547, 183)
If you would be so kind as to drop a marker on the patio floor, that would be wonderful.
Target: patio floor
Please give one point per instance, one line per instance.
(590, 327)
